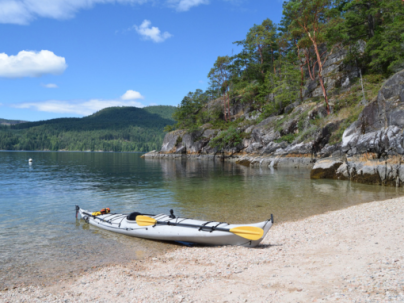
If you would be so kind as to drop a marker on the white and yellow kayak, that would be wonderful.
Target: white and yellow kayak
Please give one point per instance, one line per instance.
(171, 228)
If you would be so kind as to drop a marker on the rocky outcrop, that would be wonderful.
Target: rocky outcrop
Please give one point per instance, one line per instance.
(172, 141)
(379, 128)
(374, 144)
(371, 150)
(365, 169)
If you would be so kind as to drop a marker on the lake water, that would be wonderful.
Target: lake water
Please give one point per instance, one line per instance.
(42, 242)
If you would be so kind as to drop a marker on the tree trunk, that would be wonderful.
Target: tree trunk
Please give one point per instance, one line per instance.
(261, 58)
(320, 73)
(307, 55)
(301, 82)
(228, 105)
(371, 26)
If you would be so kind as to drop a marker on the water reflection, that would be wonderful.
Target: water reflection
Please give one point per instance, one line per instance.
(226, 192)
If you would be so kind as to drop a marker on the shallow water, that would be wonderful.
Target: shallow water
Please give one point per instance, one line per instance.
(41, 241)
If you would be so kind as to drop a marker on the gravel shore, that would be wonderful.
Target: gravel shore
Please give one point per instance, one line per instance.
(351, 255)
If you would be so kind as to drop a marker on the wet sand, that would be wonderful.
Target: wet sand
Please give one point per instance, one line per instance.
(351, 255)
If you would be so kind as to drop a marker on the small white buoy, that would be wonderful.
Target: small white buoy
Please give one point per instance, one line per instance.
(30, 160)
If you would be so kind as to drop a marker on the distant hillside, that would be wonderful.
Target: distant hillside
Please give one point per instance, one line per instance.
(111, 118)
(10, 122)
(110, 129)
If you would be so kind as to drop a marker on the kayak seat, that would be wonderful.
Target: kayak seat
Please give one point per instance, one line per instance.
(132, 216)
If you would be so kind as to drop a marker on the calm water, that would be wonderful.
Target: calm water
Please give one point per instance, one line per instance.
(41, 241)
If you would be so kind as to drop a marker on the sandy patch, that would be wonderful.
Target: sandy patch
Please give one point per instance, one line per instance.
(351, 255)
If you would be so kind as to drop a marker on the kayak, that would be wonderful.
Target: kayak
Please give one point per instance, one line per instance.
(164, 227)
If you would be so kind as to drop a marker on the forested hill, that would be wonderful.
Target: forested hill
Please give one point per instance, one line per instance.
(111, 129)
(111, 118)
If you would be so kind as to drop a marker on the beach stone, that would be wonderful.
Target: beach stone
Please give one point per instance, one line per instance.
(325, 169)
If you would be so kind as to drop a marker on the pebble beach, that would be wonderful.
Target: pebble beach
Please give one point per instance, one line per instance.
(350, 255)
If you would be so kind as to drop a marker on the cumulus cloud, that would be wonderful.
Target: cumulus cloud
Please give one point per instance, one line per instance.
(83, 108)
(25, 11)
(151, 33)
(31, 64)
(50, 85)
(131, 95)
(185, 5)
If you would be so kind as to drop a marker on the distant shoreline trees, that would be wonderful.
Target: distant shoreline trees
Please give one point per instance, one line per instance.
(116, 129)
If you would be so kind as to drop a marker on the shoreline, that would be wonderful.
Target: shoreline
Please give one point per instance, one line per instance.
(353, 254)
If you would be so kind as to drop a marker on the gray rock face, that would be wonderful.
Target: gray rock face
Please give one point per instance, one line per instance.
(170, 141)
(209, 133)
(263, 133)
(194, 142)
(290, 107)
(336, 73)
(323, 136)
(379, 128)
(273, 147)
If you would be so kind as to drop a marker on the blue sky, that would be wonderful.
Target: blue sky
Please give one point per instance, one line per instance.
(70, 58)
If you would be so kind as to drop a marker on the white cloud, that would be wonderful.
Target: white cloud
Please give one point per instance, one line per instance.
(50, 85)
(31, 64)
(131, 95)
(151, 33)
(83, 108)
(185, 5)
(25, 11)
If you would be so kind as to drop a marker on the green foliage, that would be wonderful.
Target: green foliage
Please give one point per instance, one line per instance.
(163, 111)
(219, 74)
(259, 49)
(228, 138)
(386, 48)
(373, 78)
(380, 23)
(169, 128)
(186, 114)
(286, 83)
(287, 138)
(111, 129)
(179, 140)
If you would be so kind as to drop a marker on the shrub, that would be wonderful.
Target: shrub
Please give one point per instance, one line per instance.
(229, 138)
(288, 138)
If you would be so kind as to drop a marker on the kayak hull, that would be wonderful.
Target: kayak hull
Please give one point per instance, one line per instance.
(170, 229)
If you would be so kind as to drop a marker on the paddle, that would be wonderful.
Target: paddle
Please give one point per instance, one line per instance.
(248, 232)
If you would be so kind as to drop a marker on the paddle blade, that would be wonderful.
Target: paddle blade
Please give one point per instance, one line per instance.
(248, 232)
(145, 221)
